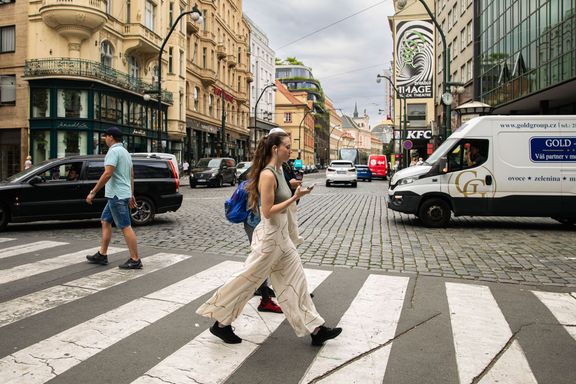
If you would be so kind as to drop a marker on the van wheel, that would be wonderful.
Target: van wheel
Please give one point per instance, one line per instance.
(327, 183)
(144, 212)
(4, 217)
(565, 220)
(434, 213)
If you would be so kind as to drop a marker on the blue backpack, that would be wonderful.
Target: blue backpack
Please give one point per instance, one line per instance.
(236, 207)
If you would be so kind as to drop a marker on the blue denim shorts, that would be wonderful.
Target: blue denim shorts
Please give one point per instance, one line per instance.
(117, 210)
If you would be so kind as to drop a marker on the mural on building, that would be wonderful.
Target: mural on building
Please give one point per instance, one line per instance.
(414, 58)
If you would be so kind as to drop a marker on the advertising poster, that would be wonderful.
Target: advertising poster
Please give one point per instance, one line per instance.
(414, 58)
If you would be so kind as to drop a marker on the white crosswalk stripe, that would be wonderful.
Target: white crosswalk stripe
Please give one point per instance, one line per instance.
(206, 359)
(28, 248)
(563, 307)
(49, 358)
(485, 348)
(369, 323)
(5, 239)
(480, 335)
(46, 265)
(53, 297)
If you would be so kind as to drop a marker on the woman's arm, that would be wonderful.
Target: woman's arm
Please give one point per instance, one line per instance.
(267, 188)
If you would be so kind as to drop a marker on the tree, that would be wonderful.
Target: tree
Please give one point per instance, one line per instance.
(293, 61)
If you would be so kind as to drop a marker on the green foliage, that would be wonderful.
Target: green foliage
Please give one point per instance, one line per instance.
(293, 61)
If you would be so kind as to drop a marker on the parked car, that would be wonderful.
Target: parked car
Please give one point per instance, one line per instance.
(363, 172)
(159, 155)
(213, 172)
(242, 167)
(378, 164)
(341, 172)
(56, 189)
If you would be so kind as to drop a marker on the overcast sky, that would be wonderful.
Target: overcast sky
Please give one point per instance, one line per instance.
(339, 56)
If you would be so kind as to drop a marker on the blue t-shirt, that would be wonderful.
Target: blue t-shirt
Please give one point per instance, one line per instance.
(120, 184)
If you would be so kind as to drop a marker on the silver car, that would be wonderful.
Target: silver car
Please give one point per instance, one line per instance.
(242, 167)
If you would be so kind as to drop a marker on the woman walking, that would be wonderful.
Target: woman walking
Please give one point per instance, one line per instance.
(273, 253)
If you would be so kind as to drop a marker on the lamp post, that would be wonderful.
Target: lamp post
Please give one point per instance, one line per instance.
(311, 111)
(196, 16)
(273, 86)
(405, 120)
(447, 95)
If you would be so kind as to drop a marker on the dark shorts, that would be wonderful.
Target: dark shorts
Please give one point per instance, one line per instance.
(117, 210)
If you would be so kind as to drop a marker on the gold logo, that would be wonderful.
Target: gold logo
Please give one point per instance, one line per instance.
(467, 184)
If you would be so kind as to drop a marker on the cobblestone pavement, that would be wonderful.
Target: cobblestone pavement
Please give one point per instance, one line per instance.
(353, 228)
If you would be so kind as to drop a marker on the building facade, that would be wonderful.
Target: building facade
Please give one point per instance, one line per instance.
(218, 79)
(262, 66)
(70, 70)
(526, 56)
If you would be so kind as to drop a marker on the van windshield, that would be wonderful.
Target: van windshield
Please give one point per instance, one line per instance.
(441, 151)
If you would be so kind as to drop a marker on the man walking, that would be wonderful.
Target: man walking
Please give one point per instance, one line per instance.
(118, 180)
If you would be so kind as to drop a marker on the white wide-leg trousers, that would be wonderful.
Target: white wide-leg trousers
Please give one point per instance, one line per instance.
(274, 255)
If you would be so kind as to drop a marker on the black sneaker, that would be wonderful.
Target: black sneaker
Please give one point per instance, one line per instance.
(325, 333)
(226, 334)
(131, 264)
(97, 258)
(271, 293)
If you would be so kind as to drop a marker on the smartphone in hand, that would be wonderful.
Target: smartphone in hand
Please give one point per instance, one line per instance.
(310, 187)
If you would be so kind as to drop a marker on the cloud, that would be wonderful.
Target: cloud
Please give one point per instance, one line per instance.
(340, 55)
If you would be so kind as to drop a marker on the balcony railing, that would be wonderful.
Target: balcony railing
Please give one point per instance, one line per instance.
(92, 70)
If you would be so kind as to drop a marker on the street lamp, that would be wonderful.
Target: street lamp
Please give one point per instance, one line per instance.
(405, 120)
(196, 15)
(309, 112)
(447, 95)
(273, 86)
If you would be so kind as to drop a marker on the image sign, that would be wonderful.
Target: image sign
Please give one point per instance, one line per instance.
(414, 58)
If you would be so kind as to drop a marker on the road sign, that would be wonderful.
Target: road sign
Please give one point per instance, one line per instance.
(408, 144)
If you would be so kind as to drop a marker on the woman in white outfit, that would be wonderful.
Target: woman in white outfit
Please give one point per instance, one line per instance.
(273, 253)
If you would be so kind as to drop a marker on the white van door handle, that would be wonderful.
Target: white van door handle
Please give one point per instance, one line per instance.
(488, 180)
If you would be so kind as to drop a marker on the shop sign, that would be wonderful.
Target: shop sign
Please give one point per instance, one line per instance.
(139, 132)
(425, 134)
(200, 126)
(72, 125)
(414, 58)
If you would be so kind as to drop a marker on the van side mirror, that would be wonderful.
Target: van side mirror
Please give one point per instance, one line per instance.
(36, 180)
(443, 165)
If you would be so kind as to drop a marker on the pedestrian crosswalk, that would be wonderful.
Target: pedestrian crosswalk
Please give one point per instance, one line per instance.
(147, 304)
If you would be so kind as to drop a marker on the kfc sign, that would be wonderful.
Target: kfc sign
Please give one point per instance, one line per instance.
(416, 135)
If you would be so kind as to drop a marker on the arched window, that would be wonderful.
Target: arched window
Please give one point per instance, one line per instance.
(196, 99)
(106, 53)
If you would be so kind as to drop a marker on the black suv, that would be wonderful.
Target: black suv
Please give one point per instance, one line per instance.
(213, 172)
(56, 190)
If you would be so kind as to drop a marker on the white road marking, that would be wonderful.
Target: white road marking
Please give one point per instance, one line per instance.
(46, 265)
(370, 322)
(207, 359)
(51, 357)
(562, 306)
(480, 332)
(49, 298)
(5, 239)
(27, 248)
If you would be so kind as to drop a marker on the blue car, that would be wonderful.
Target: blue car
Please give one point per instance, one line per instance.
(363, 172)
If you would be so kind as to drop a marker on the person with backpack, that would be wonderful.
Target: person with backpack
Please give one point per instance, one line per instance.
(236, 211)
(273, 253)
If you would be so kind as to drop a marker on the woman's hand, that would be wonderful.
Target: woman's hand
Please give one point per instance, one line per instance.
(295, 183)
(301, 192)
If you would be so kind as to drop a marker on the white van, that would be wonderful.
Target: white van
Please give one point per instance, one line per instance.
(494, 166)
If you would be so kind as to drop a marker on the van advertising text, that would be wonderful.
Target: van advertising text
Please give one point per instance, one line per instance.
(553, 149)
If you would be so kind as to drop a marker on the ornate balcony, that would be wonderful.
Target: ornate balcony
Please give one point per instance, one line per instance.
(140, 41)
(249, 77)
(78, 68)
(191, 25)
(220, 51)
(75, 20)
(231, 60)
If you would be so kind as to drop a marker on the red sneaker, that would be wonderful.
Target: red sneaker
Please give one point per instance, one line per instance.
(269, 306)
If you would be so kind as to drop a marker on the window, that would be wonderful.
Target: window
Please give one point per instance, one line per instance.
(288, 117)
(8, 89)
(469, 69)
(469, 33)
(196, 99)
(239, 55)
(210, 105)
(468, 153)
(108, 6)
(449, 20)
(7, 1)
(170, 14)
(133, 68)
(182, 67)
(106, 54)
(416, 115)
(170, 59)
(7, 39)
(149, 16)
(463, 40)
(182, 23)
(72, 103)
(204, 57)
(40, 102)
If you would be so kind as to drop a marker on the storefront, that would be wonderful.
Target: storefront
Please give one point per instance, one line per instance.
(203, 140)
(419, 139)
(68, 118)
